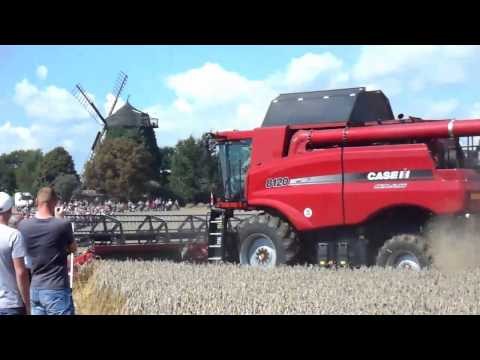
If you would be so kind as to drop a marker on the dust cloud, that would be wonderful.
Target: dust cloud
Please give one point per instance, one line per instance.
(454, 245)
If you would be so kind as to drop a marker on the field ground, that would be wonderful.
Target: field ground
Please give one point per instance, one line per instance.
(160, 287)
(156, 287)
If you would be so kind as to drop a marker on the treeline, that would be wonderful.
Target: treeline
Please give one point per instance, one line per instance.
(123, 168)
(29, 170)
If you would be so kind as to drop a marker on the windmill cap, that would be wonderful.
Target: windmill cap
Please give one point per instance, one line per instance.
(6, 202)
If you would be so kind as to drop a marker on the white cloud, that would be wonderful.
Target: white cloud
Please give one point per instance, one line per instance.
(414, 66)
(182, 105)
(210, 98)
(172, 121)
(17, 137)
(475, 112)
(175, 124)
(42, 72)
(340, 79)
(109, 99)
(211, 85)
(77, 138)
(308, 67)
(380, 60)
(50, 103)
(442, 109)
(69, 145)
(42, 105)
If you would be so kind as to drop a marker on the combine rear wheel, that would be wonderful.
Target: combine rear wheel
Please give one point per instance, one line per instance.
(266, 241)
(404, 252)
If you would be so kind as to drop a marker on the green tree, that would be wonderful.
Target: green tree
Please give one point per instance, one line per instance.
(54, 163)
(7, 176)
(25, 164)
(65, 185)
(193, 169)
(212, 175)
(166, 154)
(121, 168)
(144, 136)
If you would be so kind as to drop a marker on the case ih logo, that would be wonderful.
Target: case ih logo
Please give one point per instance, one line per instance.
(388, 175)
(277, 182)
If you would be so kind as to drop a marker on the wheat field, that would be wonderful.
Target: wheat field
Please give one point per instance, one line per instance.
(160, 287)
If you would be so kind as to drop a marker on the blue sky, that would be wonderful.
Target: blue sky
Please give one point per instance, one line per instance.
(193, 89)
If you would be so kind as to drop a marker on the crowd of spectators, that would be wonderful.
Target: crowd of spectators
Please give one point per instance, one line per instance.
(108, 207)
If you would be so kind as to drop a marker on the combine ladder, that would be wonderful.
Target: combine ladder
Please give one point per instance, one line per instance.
(216, 227)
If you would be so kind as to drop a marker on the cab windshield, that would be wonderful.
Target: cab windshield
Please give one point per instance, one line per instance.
(234, 159)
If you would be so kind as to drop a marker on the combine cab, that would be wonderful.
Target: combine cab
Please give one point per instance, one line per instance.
(338, 181)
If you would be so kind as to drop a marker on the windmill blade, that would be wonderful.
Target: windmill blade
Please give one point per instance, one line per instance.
(95, 142)
(119, 85)
(98, 140)
(84, 102)
(83, 98)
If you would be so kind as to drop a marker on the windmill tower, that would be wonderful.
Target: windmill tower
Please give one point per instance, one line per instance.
(82, 96)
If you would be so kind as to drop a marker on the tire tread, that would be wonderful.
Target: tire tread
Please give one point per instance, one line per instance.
(284, 231)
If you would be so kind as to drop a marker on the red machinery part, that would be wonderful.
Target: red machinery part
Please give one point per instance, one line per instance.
(194, 252)
(234, 135)
(197, 252)
(84, 258)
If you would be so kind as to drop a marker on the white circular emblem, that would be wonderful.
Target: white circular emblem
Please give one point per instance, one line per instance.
(307, 212)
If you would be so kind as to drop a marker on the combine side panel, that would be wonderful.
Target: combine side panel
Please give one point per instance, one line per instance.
(381, 177)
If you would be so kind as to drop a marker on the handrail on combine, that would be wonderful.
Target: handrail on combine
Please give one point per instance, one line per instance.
(122, 228)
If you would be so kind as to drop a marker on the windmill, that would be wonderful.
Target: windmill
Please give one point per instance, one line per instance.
(84, 99)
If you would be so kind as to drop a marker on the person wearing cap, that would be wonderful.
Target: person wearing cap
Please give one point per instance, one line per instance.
(14, 280)
(49, 240)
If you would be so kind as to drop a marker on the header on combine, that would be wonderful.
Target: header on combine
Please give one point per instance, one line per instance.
(339, 181)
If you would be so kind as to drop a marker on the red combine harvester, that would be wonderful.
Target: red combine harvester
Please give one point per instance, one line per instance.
(340, 181)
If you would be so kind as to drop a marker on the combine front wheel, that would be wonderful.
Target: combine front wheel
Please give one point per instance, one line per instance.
(404, 252)
(267, 241)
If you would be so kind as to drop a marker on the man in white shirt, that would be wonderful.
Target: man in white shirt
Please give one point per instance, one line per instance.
(14, 280)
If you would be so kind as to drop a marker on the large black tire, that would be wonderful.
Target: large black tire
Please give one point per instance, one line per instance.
(403, 251)
(268, 228)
